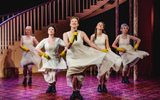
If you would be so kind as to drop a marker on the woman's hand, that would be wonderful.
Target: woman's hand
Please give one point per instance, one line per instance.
(104, 50)
(45, 55)
(121, 49)
(63, 53)
(24, 48)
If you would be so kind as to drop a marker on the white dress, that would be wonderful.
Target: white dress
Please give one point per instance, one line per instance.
(130, 56)
(79, 57)
(112, 57)
(51, 49)
(32, 56)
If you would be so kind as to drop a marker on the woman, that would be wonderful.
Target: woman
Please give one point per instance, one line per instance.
(51, 61)
(29, 57)
(129, 54)
(101, 40)
(79, 56)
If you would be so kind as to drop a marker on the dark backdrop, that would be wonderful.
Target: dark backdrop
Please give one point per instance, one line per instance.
(108, 18)
(9, 6)
(149, 27)
(148, 32)
(156, 39)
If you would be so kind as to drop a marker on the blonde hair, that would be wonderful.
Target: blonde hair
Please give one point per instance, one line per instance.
(28, 27)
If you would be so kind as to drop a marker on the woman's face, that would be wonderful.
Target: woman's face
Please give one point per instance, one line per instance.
(28, 30)
(100, 26)
(74, 23)
(51, 30)
(124, 29)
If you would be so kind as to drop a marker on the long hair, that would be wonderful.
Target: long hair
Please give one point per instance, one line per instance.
(95, 31)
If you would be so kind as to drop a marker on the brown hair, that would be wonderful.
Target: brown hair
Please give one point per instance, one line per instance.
(53, 27)
(74, 17)
(95, 31)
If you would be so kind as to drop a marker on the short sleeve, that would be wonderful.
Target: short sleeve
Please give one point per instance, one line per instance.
(41, 44)
(61, 42)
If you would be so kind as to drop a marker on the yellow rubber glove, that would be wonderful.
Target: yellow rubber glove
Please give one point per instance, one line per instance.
(104, 50)
(75, 33)
(121, 49)
(62, 54)
(73, 37)
(41, 54)
(45, 55)
(24, 48)
(136, 46)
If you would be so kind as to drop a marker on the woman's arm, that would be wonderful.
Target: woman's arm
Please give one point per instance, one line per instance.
(92, 38)
(68, 43)
(135, 39)
(107, 43)
(41, 53)
(35, 41)
(24, 48)
(66, 40)
(61, 42)
(62, 54)
(40, 46)
(114, 45)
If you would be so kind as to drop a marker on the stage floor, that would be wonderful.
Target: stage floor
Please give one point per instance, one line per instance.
(12, 89)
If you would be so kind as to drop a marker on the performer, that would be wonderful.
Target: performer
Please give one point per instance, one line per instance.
(29, 57)
(130, 55)
(51, 60)
(102, 41)
(79, 57)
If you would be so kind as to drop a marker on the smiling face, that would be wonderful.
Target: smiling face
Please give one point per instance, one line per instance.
(74, 22)
(28, 30)
(51, 30)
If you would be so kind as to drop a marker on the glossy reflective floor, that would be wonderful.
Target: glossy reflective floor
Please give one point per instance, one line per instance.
(12, 89)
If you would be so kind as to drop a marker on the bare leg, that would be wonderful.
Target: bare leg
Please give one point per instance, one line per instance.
(76, 88)
(74, 82)
(135, 72)
(128, 72)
